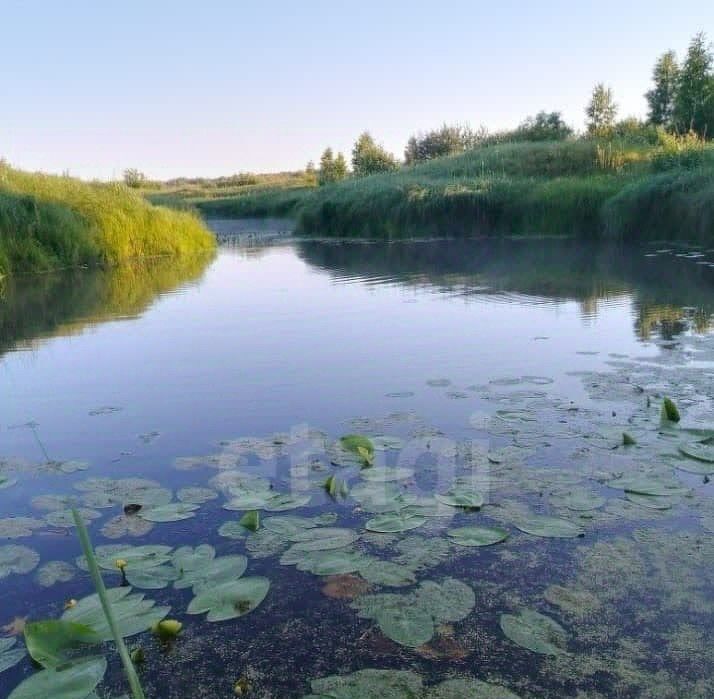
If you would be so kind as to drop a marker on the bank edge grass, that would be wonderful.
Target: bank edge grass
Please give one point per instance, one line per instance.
(48, 221)
(129, 670)
(580, 187)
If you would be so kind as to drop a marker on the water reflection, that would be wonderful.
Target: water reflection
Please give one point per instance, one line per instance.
(65, 303)
(670, 292)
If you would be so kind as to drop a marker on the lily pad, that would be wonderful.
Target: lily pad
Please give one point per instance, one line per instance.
(288, 525)
(173, 512)
(55, 572)
(461, 497)
(75, 680)
(17, 559)
(394, 522)
(196, 495)
(369, 684)
(9, 654)
(333, 562)
(156, 578)
(53, 643)
(136, 557)
(64, 518)
(126, 525)
(215, 572)
(409, 626)
(323, 539)
(230, 600)
(133, 613)
(18, 527)
(701, 451)
(535, 631)
(477, 536)
(449, 600)
(469, 688)
(385, 474)
(553, 527)
(387, 573)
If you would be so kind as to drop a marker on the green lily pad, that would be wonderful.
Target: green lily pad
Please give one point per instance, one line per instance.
(156, 578)
(133, 613)
(579, 501)
(450, 600)
(282, 502)
(9, 654)
(288, 525)
(17, 559)
(136, 557)
(173, 512)
(215, 572)
(55, 572)
(53, 643)
(555, 527)
(196, 495)
(323, 539)
(333, 562)
(250, 521)
(653, 502)
(387, 573)
(75, 680)
(18, 527)
(230, 600)
(469, 688)
(477, 536)
(126, 525)
(232, 530)
(535, 631)
(394, 522)
(357, 444)
(186, 558)
(409, 626)
(385, 474)
(64, 518)
(461, 497)
(369, 684)
(700, 451)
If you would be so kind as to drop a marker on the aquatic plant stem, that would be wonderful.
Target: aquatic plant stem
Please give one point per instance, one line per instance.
(129, 670)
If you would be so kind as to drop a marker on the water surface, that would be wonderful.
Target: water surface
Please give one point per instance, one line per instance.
(130, 370)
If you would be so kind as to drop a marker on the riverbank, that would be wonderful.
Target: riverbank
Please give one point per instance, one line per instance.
(49, 222)
(586, 187)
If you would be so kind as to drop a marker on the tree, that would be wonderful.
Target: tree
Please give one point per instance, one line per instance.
(661, 98)
(331, 169)
(440, 142)
(340, 167)
(134, 178)
(601, 111)
(694, 104)
(544, 126)
(369, 158)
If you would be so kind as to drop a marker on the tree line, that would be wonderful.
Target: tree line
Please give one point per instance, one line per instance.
(681, 101)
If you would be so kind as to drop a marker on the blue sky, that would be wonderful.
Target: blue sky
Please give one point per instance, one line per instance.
(217, 87)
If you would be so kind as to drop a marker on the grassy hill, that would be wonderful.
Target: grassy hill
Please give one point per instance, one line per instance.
(575, 187)
(48, 222)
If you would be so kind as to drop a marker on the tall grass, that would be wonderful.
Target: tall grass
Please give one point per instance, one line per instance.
(577, 187)
(48, 221)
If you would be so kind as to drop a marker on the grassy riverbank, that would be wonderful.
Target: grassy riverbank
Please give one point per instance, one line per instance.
(48, 222)
(583, 186)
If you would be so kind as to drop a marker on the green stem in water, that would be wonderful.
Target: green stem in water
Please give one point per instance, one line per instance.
(129, 670)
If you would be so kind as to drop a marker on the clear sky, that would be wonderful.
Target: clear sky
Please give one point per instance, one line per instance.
(216, 87)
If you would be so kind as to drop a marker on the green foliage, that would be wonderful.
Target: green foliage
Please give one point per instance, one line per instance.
(679, 151)
(134, 178)
(48, 222)
(669, 410)
(694, 102)
(332, 169)
(601, 111)
(437, 143)
(544, 126)
(661, 98)
(369, 158)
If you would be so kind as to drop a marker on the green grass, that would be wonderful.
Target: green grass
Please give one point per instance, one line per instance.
(577, 187)
(47, 222)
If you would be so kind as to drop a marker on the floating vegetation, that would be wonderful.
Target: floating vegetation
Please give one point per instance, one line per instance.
(394, 522)
(477, 536)
(173, 512)
(670, 412)
(409, 619)
(10, 655)
(70, 681)
(19, 527)
(231, 599)
(53, 572)
(549, 527)
(535, 631)
(17, 559)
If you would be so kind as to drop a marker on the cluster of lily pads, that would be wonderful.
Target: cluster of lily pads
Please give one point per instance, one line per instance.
(501, 493)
